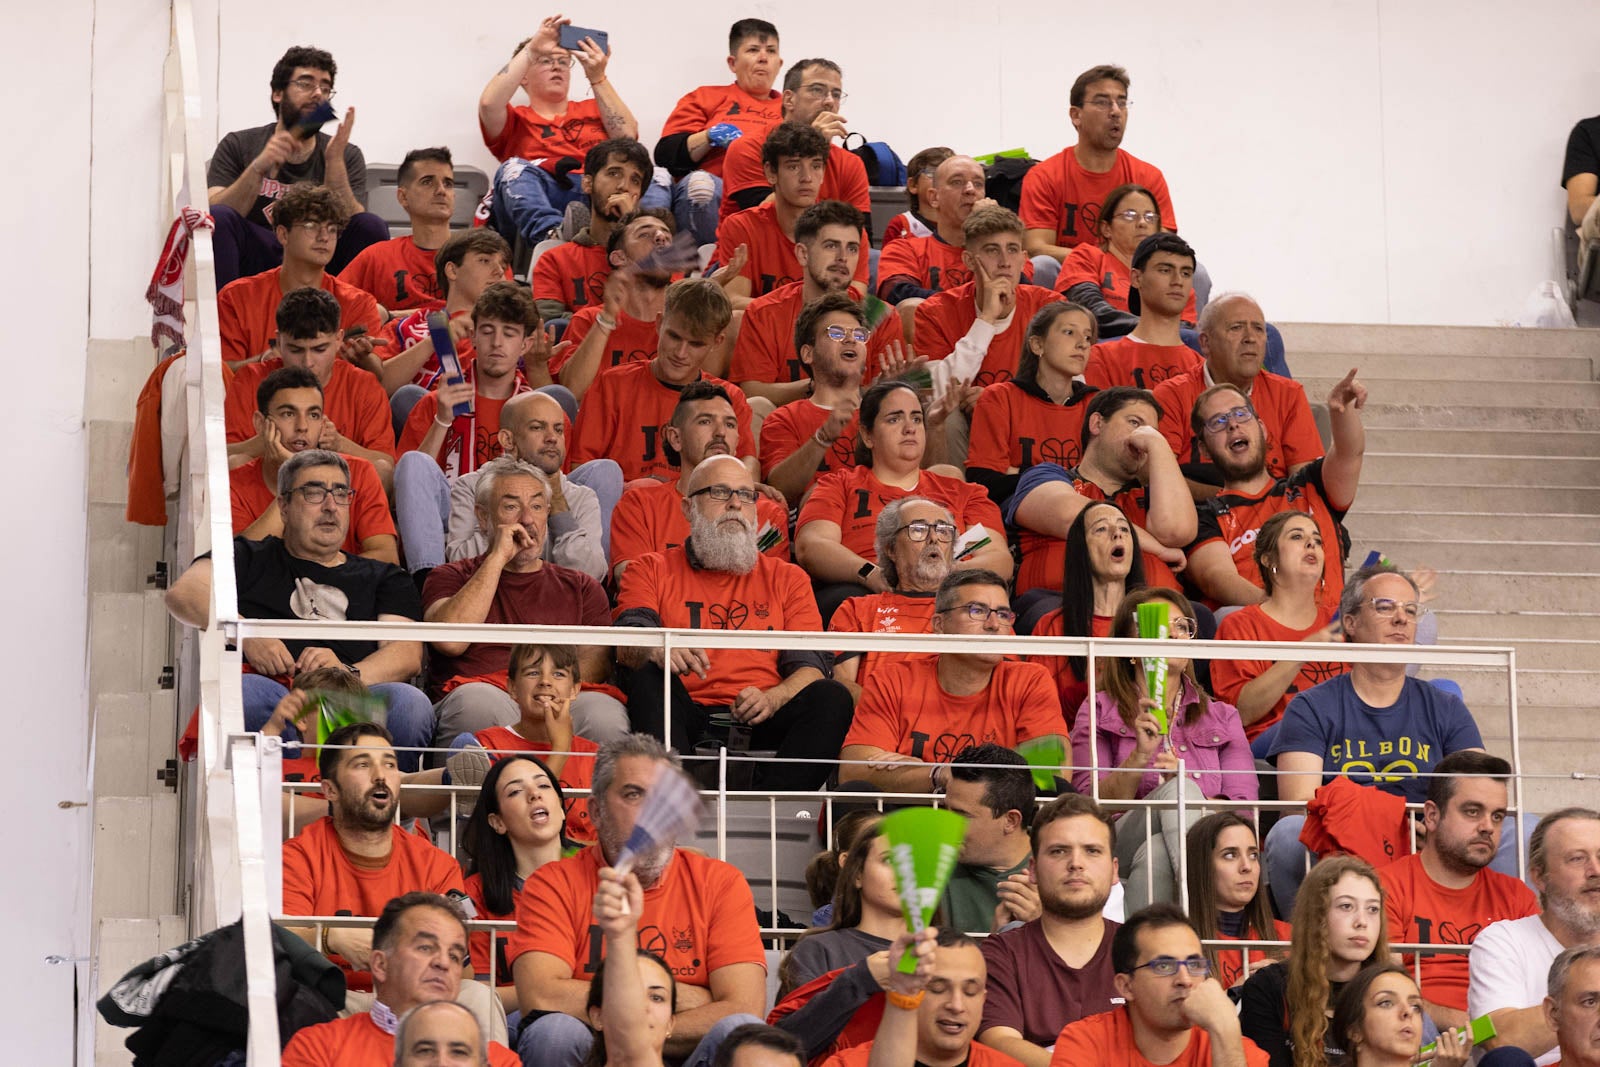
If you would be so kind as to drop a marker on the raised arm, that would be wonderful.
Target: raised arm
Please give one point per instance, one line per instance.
(1341, 469)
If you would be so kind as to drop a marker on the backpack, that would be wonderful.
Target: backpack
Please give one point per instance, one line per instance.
(883, 166)
(1003, 180)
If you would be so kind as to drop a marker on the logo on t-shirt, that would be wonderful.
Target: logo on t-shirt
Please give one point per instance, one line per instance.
(1065, 451)
(312, 600)
(1358, 755)
(945, 747)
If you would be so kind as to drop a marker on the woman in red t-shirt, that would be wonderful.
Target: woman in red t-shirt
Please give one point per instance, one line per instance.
(1228, 895)
(1290, 555)
(1107, 266)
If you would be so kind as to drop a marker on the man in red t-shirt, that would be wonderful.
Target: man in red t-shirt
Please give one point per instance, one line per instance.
(705, 121)
(1154, 352)
(696, 913)
(1170, 1003)
(399, 273)
(1061, 196)
(813, 91)
(1233, 338)
(572, 275)
(355, 859)
(419, 946)
(355, 410)
(780, 701)
(1222, 555)
(794, 159)
(1446, 893)
(289, 420)
(466, 264)
(916, 715)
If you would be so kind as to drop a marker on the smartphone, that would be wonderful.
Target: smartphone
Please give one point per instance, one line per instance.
(307, 127)
(445, 349)
(571, 35)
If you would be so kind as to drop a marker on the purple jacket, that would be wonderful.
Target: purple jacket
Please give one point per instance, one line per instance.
(1211, 743)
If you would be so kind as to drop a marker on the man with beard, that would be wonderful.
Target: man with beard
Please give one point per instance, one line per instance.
(1221, 558)
(419, 949)
(1235, 340)
(573, 274)
(990, 889)
(1055, 969)
(1173, 1011)
(1510, 961)
(914, 716)
(782, 701)
(1446, 894)
(914, 538)
(511, 583)
(253, 168)
(1125, 460)
(698, 915)
(1163, 274)
(355, 859)
(650, 516)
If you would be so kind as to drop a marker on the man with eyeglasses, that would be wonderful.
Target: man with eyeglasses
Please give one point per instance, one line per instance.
(400, 272)
(1173, 1011)
(1061, 196)
(1222, 555)
(1236, 341)
(719, 580)
(1163, 275)
(252, 169)
(1374, 725)
(305, 574)
(915, 716)
(813, 93)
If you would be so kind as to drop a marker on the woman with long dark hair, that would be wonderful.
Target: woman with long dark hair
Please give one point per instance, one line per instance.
(1379, 1019)
(1228, 896)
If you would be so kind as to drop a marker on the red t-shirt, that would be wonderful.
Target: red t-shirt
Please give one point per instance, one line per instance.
(1106, 1040)
(576, 773)
(1230, 961)
(905, 710)
(771, 261)
(369, 509)
(1014, 426)
(944, 318)
(765, 350)
(622, 416)
(403, 331)
(633, 341)
(844, 178)
(1126, 361)
(353, 399)
(472, 440)
(905, 224)
(1230, 676)
(774, 596)
(786, 429)
(883, 613)
(247, 311)
(572, 274)
(531, 135)
(1059, 195)
(1071, 686)
(1420, 911)
(1090, 263)
(1045, 557)
(930, 262)
(649, 518)
(397, 273)
(700, 916)
(320, 878)
(479, 941)
(978, 1055)
(853, 497)
(1292, 436)
(712, 105)
(356, 1041)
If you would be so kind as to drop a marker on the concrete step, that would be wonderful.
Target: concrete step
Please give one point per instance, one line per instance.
(134, 734)
(1524, 368)
(121, 554)
(135, 856)
(1535, 722)
(120, 945)
(110, 441)
(1485, 688)
(1549, 592)
(117, 372)
(1377, 528)
(1489, 626)
(1545, 789)
(1449, 440)
(1387, 340)
(1448, 551)
(1386, 412)
(1533, 653)
(1512, 391)
(1432, 468)
(127, 641)
(1515, 500)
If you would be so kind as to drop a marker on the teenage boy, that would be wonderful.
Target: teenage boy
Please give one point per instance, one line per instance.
(1163, 273)
(465, 265)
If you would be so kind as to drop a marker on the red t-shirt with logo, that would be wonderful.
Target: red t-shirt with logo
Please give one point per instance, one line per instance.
(883, 613)
(1281, 403)
(798, 421)
(472, 440)
(403, 331)
(649, 518)
(622, 416)
(771, 261)
(844, 177)
(356, 1040)
(1059, 195)
(397, 272)
(905, 710)
(572, 274)
(247, 311)
(533, 136)
(1071, 686)
(250, 496)
(1230, 676)
(765, 350)
(1101, 268)
(944, 318)
(1126, 361)
(712, 105)
(1106, 1040)
(1014, 426)
(853, 497)
(1044, 557)
(633, 340)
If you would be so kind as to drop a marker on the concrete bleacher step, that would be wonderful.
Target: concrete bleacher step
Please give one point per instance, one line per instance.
(1445, 391)
(1486, 626)
(1428, 468)
(1558, 687)
(1525, 500)
(1450, 440)
(1538, 653)
(119, 944)
(1389, 341)
(1552, 591)
(1493, 554)
(1375, 528)
(1519, 366)
(1383, 412)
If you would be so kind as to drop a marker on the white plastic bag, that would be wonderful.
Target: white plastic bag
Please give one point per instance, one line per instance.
(1546, 308)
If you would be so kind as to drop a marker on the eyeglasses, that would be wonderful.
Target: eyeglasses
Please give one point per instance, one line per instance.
(1220, 422)
(307, 84)
(980, 612)
(316, 493)
(318, 229)
(919, 529)
(1107, 103)
(1130, 215)
(1167, 966)
(723, 493)
(554, 62)
(825, 92)
(839, 333)
(1181, 627)
(1386, 607)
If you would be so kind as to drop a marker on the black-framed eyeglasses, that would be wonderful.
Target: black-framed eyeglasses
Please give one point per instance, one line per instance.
(316, 493)
(307, 84)
(1220, 422)
(980, 612)
(839, 333)
(1167, 966)
(723, 493)
(1387, 606)
(919, 529)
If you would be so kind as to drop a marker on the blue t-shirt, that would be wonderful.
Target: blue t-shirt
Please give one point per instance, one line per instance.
(1385, 747)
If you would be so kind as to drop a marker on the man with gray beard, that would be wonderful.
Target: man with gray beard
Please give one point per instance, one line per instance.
(787, 701)
(1510, 960)
(698, 916)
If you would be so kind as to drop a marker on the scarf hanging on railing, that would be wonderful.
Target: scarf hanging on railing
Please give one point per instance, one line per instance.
(165, 292)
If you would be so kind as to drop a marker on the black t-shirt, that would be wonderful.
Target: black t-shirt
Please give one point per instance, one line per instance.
(1583, 150)
(240, 148)
(1264, 1015)
(275, 585)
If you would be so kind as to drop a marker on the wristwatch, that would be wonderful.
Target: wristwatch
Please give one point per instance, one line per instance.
(866, 571)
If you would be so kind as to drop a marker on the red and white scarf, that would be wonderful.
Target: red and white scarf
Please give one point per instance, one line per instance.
(165, 292)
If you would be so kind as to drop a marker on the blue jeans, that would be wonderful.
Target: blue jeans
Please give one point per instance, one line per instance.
(1046, 269)
(242, 248)
(605, 478)
(409, 718)
(530, 201)
(697, 219)
(560, 1040)
(421, 509)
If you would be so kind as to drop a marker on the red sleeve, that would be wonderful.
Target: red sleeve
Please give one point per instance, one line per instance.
(1298, 435)
(758, 353)
(853, 188)
(359, 271)
(362, 310)
(589, 430)
(989, 446)
(238, 405)
(863, 263)
(546, 280)
(424, 413)
(240, 508)
(688, 115)
(826, 502)
(932, 326)
(741, 166)
(898, 228)
(741, 408)
(578, 327)
(1230, 676)
(629, 537)
(898, 260)
(1039, 206)
(730, 235)
(1083, 265)
(497, 145)
(1174, 424)
(377, 431)
(1037, 704)
(640, 585)
(548, 913)
(311, 1046)
(846, 620)
(779, 440)
(299, 880)
(736, 938)
(370, 513)
(1156, 182)
(231, 325)
(877, 718)
(978, 507)
(799, 603)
